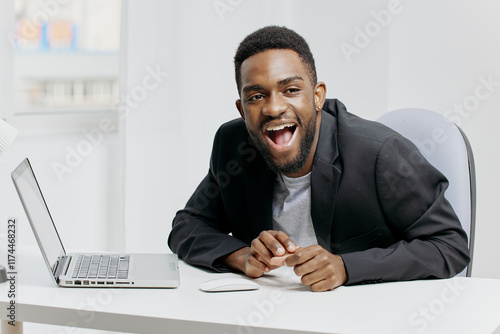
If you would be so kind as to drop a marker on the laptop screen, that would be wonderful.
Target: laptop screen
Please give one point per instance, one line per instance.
(38, 214)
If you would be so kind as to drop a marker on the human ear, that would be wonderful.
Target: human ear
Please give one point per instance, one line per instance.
(240, 108)
(319, 95)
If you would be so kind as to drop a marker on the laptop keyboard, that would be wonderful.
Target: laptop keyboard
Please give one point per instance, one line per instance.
(101, 266)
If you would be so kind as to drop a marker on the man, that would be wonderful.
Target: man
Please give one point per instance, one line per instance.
(299, 181)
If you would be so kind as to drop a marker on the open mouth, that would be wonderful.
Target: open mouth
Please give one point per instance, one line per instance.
(281, 136)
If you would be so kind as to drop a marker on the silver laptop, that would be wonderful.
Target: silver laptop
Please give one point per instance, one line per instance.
(88, 270)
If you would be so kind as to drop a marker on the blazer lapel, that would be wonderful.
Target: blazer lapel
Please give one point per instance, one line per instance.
(325, 179)
(259, 185)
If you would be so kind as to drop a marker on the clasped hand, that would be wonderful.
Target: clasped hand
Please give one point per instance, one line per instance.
(318, 268)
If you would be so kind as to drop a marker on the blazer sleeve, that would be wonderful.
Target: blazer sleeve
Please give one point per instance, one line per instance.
(411, 193)
(200, 232)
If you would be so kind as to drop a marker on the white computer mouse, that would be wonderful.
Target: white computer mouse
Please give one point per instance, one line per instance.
(228, 284)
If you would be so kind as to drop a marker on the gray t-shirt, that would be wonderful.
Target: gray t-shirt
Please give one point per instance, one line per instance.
(292, 209)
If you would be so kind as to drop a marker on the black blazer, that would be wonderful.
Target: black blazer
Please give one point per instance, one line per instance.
(375, 201)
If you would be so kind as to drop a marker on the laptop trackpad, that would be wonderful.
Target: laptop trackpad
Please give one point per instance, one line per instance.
(153, 268)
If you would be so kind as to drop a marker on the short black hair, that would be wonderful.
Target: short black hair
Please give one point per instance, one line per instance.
(274, 37)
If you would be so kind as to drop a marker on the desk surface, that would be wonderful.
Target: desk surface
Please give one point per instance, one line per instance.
(282, 305)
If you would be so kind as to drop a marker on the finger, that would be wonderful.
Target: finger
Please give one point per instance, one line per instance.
(255, 268)
(313, 278)
(323, 285)
(301, 256)
(313, 258)
(278, 261)
(321, 272)
(322, 280)
(271, 243)
(260, 251)
(285, 240)
(308, 260)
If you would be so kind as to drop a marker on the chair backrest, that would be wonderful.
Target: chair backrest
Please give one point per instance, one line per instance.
(447, 148)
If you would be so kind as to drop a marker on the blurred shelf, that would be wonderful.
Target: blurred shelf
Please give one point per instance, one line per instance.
(66, 66)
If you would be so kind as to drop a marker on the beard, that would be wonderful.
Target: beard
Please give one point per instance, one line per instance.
(296, 164)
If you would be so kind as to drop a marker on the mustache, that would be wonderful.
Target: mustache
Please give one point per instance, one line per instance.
(288, 115)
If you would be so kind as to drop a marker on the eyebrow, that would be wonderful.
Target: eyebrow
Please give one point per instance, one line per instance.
(286, 81)
(251, 88)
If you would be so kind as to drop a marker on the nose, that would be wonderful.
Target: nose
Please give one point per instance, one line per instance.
(274, 106)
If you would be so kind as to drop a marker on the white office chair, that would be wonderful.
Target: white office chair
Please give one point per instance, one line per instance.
(447, 148)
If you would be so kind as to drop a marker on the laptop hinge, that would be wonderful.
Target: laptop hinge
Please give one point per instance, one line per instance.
(61, 267)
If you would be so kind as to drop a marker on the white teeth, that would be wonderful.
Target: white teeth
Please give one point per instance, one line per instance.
(280, 127)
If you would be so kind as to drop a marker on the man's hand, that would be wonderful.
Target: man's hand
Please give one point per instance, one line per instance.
(318, 268)
(254, 261)
(272, 245)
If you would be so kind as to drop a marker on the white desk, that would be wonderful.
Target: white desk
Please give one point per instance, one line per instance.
(282, 305)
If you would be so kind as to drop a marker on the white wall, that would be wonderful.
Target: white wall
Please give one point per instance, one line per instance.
(84, 203)
(441, 55)
(426, 54)
(6, 58)
(168, 135)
